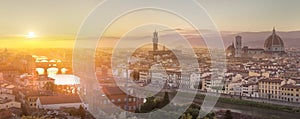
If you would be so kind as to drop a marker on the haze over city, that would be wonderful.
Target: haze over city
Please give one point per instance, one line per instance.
(158, 59)
(55, 23)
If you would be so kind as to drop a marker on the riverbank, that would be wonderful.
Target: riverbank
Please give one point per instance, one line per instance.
(255, 109)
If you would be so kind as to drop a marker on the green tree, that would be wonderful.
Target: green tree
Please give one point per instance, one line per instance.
(149, 105)
(186, 116)
(228, 115)
(165, 100)
(194, 112)
(210, 116)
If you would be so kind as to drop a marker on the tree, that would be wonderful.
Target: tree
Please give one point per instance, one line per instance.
(210, 116)
(194, 112)
(198, 85)
(228, 115)
(81, 112)
(149, 105)
(165, 100)
(186, 116)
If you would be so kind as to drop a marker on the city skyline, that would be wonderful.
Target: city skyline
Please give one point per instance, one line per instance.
(56, 25)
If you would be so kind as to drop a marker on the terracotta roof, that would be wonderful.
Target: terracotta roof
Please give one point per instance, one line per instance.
(271, 80)
(59, 99)
(290, 86)
(112, 90)
(230, 47)
(256, 49)
(273, 40)
(249, 84)
(5, 114)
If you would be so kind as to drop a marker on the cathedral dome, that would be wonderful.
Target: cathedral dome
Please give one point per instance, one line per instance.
(230, 48)
(273, 41)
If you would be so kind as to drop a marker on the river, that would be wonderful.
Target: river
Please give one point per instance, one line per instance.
(257, 112)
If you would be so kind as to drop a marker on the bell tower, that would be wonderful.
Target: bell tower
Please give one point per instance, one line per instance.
(155, 41)
(238, 46)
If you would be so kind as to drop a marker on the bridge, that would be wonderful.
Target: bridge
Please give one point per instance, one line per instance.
(63, 67)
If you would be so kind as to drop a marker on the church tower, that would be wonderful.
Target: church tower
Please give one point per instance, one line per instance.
(238, 46)
(155, 41)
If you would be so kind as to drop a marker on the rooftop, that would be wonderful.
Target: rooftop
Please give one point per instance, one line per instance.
(291, 86)
(59, 99)
(271, 80)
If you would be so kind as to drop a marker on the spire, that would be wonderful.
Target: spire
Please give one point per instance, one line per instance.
(274, 31)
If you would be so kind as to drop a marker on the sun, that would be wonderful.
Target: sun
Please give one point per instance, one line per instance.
(31, 35)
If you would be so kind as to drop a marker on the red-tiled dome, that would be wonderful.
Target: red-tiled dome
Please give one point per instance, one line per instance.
(230, 48)
(273, 40)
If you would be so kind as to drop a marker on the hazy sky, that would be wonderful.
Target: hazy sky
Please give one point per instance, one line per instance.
(56, 22)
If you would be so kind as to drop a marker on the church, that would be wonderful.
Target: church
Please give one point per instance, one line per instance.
(273, 46)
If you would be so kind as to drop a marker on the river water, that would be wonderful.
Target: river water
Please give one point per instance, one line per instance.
(257, 112)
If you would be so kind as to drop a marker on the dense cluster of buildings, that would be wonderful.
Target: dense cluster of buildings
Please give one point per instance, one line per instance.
(35, 84)
(268, 73)
(25, 90)
(273, 46)
(159, 68)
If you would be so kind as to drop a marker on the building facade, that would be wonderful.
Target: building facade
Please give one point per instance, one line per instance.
(273, 46)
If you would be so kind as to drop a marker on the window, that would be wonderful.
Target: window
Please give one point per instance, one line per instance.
(119, 100)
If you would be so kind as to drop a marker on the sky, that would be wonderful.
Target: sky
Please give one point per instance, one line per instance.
(56, 22)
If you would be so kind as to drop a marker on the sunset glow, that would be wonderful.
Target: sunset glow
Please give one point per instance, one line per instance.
(31, 35)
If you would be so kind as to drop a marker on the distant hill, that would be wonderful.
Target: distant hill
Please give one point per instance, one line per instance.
(257, 39)
(251, 39)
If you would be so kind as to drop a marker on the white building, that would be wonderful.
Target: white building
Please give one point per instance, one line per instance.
(194, 80)
(250, 90)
